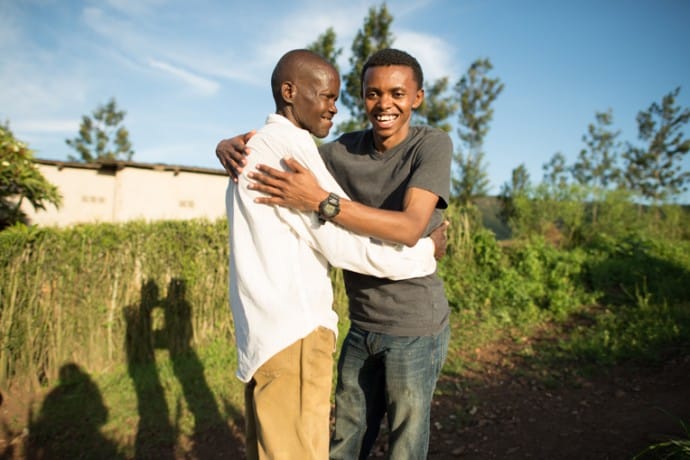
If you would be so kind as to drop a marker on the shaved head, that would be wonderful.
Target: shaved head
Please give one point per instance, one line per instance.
(294, 66)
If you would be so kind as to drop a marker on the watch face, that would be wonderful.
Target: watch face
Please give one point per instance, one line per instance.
(329, 209)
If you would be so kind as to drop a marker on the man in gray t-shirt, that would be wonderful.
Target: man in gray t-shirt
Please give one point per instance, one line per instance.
(414, 307)
(398, 177)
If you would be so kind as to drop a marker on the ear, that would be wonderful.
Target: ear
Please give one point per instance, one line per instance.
(288, 90)
(419, 98)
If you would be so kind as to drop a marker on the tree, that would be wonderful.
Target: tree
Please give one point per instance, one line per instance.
(437, 106)
(655, 171)
(374, 36)
(20, 179)
(556, 172)
(518, 186)
(472, 180)
(325, 47)
(595, 166)
(102, 136)
(476, 93)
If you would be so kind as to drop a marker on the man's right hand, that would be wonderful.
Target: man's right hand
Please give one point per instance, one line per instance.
(440, 239)
(231, 153)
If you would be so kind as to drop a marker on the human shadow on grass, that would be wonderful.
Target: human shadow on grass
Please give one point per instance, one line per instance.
(68, 424)
(156, 435)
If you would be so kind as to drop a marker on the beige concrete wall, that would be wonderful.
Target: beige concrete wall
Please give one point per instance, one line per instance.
(150, 192)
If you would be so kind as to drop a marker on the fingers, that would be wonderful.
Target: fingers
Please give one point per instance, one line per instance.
(263, 180)
(248, 135)
(268, 171)
(267, 189)
(444, 225)
(294, 165)
(231, 153)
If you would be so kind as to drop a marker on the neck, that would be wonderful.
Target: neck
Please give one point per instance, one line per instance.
(383, 144)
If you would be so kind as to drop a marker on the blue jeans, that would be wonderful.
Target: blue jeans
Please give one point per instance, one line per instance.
(381, 374)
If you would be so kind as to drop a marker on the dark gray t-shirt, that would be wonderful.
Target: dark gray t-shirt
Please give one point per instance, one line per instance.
(413, 307)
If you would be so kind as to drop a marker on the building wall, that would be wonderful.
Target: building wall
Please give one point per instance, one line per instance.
(127, 191)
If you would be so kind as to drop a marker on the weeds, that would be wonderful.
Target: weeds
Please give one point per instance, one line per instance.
(672, 449)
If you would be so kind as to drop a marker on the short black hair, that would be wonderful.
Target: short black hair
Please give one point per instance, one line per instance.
(392, 56)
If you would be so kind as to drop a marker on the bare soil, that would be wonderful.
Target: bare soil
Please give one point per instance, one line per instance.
(508, 415)
(502, 408)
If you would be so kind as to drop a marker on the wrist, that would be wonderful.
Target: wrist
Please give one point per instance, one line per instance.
(320, 197)
(329, 208)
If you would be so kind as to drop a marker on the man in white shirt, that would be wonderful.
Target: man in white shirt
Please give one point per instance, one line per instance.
(280, 290)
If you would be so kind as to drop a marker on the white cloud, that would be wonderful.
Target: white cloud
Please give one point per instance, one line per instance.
(26, 87)
(204, 85)
(435, 55)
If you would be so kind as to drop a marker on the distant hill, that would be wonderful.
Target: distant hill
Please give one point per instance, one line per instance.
(490, 208)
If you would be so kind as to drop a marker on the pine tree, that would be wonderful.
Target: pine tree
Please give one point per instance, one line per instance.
(476, 93)
(655, 171)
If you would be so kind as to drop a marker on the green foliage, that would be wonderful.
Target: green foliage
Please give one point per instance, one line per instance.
(326, 48)
(521, 282)
(621, 268)
(675, 448)
(472, 180)
(437, 106)
(556, 212)
(655, 171)
(476, 93)
(518, 186)
(20, 179)
(69, 293)
(596, 165)
(102, 136)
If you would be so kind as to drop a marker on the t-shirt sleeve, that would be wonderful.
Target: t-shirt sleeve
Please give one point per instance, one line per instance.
(432, 165)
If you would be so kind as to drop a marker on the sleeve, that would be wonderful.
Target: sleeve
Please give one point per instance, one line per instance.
(348, 250)
(345, 249)
(432, 165)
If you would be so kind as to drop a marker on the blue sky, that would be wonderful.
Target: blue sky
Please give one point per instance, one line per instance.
(189, 73)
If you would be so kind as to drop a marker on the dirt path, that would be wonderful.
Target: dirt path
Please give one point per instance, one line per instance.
(510, 416)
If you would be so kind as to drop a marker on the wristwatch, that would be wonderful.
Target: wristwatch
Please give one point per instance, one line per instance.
(329, 208)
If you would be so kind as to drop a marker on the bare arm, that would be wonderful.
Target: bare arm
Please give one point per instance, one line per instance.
(299, 189)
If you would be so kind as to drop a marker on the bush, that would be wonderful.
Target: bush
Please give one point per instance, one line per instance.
(68, 294)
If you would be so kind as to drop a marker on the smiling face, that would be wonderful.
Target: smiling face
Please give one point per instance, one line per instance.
(311, 99)
(390, 95)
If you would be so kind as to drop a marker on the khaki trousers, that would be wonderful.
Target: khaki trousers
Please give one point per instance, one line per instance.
(288, 401)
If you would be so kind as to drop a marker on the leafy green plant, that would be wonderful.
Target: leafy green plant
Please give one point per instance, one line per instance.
(671, 449)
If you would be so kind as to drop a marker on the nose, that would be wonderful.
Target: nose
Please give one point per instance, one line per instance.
(385, 101)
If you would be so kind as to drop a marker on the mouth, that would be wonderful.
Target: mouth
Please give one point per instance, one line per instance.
(386, 119)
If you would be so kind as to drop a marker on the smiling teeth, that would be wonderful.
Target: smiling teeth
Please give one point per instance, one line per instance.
(385, 117)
